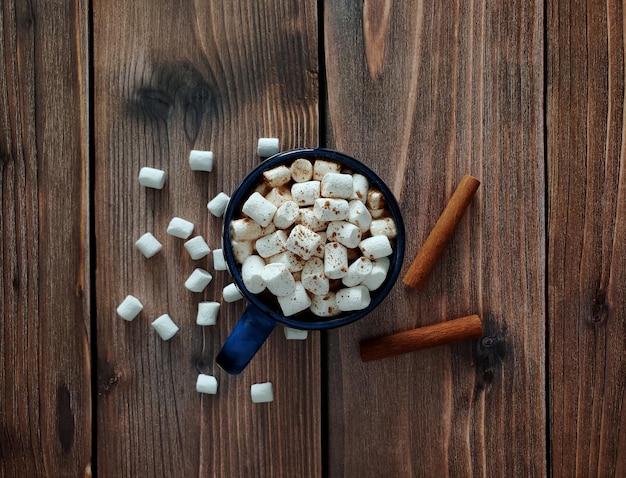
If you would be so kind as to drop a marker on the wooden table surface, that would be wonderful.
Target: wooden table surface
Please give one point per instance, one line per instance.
(528, 96)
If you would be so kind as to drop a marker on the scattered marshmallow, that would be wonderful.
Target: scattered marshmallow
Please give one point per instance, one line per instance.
(313, 278)
(301, 170)
(335, 260)
(330, 209)
(375, 199)
(206, 384)
(219, 261)
(198, 280)
(241, 250)
(358, 271)
(129, 308)
(305, 194)
(267, 147)
(165, 327)
(344, 233)
(271, 244)
(148, 245)
(286, 215)
(278, 280)
(336, 185)
(251, 273)
(376, 247)
(262, 392)
(295, 302)
(302, 241)
(201, 160)
(231, 293)
(179, 227)
(378, 274)
(279, 196)
(245, 229)
(218, 204)
(207, 313)
(353, 298)
(295, 334)
(197, 247)
(152, 178)
(360, 186)
(359, 215)
(384, 227)
(322, 167)
(259, 209)
(324, 305)
(277, 176)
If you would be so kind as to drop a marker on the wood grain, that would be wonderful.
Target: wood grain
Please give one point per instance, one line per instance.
(459, 90)
(587, 226)
(168, 79)
(45, 399)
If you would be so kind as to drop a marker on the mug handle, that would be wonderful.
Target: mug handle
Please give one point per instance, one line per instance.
(245, 340)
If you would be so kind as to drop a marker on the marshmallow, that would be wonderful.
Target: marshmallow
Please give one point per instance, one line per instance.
(384, 227)
(353, 298)
(319, 251)
(377, 213)
(336, 185)
(308, 219)
(357, 272)
(206, 384)
(271, 244)
(375, 199)
(375, 247)
(295, 334)
(279, 196)
(152, 178)
(322, 167)
(198, 280)
(267, 147)
(360, 186)
(207, 313)
(359, 215)
(148, 245)
(267, 230)
(218, 204)
(313, 278)
(262, 189)
(302, 241)
(219, 261)
(295, 302)
(251, 273)
(305, 194)
(245, 229)
(197, 247)
(261, 392)
(259, 209)
(329, 209)
(293, 262)
(335, 260)
(179, 227)
(231, 293)
(324, 305)
(344, 233)
(201, 160)
(241, 250)
(286, 215)
(378, 274)
(278, 279)
(277, 176)
(301, 170)
(165, 327)
(129, 308)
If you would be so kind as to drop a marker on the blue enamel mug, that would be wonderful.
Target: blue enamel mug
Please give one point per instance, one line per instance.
(262, 314)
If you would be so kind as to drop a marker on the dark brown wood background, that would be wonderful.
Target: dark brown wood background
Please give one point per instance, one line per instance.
(526, 96)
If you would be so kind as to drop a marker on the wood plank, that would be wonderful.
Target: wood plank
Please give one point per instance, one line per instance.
(587, 219)
(201, 75)
(45, 399)
(425, 93)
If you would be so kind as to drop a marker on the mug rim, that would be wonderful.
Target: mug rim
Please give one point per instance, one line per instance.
(241, 194)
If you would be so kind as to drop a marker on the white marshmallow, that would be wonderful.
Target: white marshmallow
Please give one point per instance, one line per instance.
(129, 308)
(218, 204)
(335, 260)
(241, 250)
(336, 185)
(267, 147)
(377, 213)
(259, 209)
(301, 170)
(207, 313)
(286, 215)
(357, 272)
(295, 302)
(329, 209)
(165, 327)
(251, 273)
(245, 229)
(375, 199)
(231, 293)
(293, 262)
(148, 245)
(198, 280)
(313, 278)
(344, 233)
(277, 176)
(360, 186)
(278, 280)
(322, 167)
(319, 252)
(305, 194)
(271, 244)
(261, 392)
(376, 247)
(279, 196)
(380, 268)
(302, 241)
(152, 178)
(219, 261)
(179, 227)
(308, 219)
(359, 215)
(353, 298)
(384, 227)
(324, 305)
(206, 384)
(197, 247)
(295, 334)
(201, 160)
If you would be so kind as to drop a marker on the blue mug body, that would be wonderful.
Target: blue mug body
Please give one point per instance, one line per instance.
(261, 316)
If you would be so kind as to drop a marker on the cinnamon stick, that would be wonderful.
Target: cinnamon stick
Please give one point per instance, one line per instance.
(435, 244)
(449, 332)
